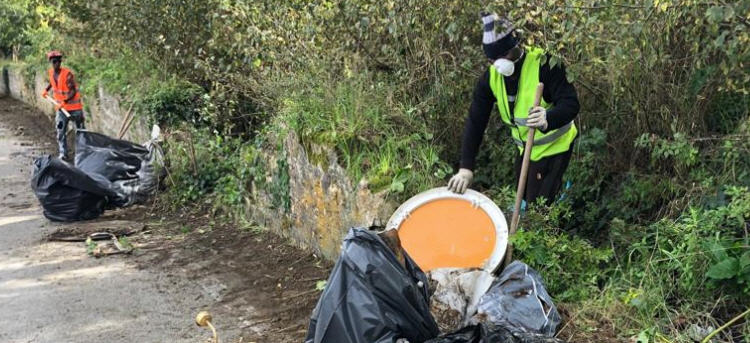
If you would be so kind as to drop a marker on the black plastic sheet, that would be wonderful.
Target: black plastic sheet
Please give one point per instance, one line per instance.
(67, 194)
(371, 298)
(487, 333)
(108, 173)
(518, 300)
(114, 159)
(132, 168)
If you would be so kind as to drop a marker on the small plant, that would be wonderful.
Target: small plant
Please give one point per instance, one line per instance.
(125, 243)
(573, 268)
(678, 150)
(730, 255)
(91, 246)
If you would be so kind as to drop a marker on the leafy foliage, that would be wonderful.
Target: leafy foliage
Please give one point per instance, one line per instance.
(374, 138)
(13, 23)
(575, 263)
(653, 219)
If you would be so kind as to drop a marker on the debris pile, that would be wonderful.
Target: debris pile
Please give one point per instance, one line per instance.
(107, 173)
(376, 293)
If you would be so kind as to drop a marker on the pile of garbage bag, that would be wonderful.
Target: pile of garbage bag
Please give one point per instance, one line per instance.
(371, 297)
(489, 333)
(374, 296)
(107, 173)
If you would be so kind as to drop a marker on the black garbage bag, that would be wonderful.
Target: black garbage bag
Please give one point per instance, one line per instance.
(518, 301)
(132, 168)
(468, 334)
(108, 173)
(66, 193)
(371, 298)
(112, 158)
(488, 333)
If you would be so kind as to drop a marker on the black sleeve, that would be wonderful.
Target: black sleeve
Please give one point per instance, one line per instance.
(476, 123)
(561, 94)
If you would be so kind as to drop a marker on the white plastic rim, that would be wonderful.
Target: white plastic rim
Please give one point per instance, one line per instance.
(477, 200)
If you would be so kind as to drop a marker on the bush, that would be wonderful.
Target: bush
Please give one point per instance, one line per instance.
(175, 102)
(573, 269)
(13, 20)
(204, 165)
(689, 262)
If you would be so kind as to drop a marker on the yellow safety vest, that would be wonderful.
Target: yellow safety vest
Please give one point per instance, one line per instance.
(545, 144)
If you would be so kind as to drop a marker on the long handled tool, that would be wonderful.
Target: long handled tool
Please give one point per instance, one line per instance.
(522, 181)
(125, 123)
(54, 102)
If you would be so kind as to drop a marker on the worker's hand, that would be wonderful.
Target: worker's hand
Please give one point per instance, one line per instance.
(59, 106)
(537, 118)
(44, 94)
(460, 181)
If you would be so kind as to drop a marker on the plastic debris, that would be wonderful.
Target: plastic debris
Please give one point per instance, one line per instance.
(107, 173)
(370, 297)
(518, 301)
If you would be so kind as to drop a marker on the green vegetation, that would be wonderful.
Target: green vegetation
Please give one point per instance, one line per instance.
(374, 137)
(651, 236)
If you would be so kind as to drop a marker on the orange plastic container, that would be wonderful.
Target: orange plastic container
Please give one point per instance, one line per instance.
(440, 229)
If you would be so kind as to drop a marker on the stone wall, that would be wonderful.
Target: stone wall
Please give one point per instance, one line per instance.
(103, 111)
(323, 201)
(4, 83)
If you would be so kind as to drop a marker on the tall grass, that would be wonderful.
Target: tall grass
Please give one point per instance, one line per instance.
(375, 135)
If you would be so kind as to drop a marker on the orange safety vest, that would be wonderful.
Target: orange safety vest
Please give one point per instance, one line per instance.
(61, 91)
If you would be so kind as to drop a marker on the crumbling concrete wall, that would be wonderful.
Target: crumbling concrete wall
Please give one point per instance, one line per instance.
(103, 111)
(323, 201)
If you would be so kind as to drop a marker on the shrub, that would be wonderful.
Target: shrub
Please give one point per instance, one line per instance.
(175, 102)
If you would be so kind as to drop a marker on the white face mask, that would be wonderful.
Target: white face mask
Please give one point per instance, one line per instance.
(504, 66)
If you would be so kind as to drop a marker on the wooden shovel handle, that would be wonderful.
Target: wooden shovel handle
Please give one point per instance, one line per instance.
(64, 111)
(522, 182)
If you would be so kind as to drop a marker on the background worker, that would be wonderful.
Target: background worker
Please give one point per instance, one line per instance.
(65, 92)
(511, 81)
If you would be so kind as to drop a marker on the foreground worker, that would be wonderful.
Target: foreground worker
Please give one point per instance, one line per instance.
(511, 81)
(65, 93)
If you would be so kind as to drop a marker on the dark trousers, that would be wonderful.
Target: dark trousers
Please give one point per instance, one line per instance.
(545, 176)
(61, 124)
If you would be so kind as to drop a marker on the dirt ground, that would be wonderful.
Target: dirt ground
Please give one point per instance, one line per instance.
(262, 288)
(257, 288)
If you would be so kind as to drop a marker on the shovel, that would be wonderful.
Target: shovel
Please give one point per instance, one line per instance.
(64, 111)
(521, 183)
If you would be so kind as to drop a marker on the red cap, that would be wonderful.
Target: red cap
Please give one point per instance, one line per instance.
(54, 53)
